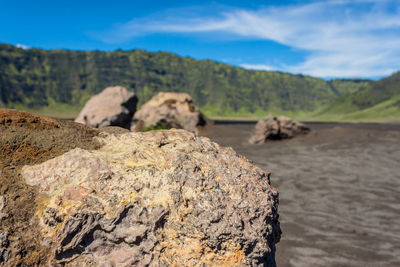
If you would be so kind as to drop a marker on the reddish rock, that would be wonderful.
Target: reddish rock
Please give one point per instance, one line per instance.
(78, 196)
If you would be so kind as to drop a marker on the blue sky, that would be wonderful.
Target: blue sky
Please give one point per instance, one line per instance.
(332, 38)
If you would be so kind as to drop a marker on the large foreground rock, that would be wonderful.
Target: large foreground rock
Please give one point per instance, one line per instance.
(170, 110)
(114, 106)
(276, 128)
(75, 196)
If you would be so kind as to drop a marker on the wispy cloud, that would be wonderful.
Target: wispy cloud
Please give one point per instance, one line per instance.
(342, 38)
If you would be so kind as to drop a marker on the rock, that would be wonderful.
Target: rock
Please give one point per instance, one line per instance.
(4, 242)
(170, 110)
(4, 255)
(114, 106)
(30, 139)
(157, 198)
(2, 205)
(276, 128)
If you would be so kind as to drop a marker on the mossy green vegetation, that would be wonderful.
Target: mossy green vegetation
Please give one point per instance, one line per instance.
(59, 82)
(154, 128)
(376, 101)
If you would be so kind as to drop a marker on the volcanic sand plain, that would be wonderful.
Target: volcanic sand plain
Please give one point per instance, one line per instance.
(339, 190)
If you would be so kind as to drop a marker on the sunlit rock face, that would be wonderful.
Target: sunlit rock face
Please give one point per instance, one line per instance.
(114, 106)
(171, 110)
(119, 198)
(275, 128)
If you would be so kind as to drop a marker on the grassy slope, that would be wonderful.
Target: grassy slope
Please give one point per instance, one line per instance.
(61, 81)
(386, 111)
(378, 101)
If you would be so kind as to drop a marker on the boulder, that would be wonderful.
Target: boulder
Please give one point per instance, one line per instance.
(170, 110)
(116, 198)
(114, 106)
(276, 128)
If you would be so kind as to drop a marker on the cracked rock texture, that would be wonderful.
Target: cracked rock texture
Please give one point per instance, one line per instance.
(170, 110)
(114, 106)
(275, 128)
(160, 198)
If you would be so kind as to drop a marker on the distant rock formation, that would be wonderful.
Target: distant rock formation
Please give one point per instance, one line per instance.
(114, 106)
(170, 110)
(276, 128)
(80, 196)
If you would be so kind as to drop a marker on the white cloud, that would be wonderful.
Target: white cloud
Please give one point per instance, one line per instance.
(256, 67)
(22, 46)
(342, 38)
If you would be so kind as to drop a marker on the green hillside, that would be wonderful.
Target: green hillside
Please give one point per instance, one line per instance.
(346, 86)
(375, 101)
(61, 81)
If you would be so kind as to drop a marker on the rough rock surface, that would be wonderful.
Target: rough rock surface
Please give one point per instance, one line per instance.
(120, 198)
(114, 106)
(276, 128)
(27, 139)
(170, 110)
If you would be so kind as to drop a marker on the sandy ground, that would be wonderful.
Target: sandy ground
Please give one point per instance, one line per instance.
(339, 191)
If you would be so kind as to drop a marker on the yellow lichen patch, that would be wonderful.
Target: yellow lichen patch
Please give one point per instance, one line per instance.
(163, 199)
(183, 254)
(133, 163)
(192, 252)
(124, 203)
(155, 159)
(130, 197)
(42, 202)
(66, 205)
(233, 258)
(133, 195)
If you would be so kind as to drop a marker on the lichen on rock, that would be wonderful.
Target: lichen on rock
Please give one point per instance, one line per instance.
(157, 198)
(162, 197)
(170, 110)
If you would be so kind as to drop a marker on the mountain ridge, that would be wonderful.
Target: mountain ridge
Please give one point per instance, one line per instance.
(37, 78)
